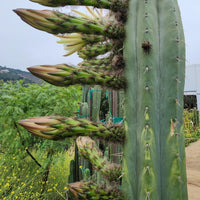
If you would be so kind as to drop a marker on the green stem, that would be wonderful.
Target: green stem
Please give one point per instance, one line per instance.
(56, 127)
(65, 75)
(55, 22)
(114, 5)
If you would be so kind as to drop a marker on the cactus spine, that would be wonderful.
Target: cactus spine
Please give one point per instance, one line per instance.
(152, 78)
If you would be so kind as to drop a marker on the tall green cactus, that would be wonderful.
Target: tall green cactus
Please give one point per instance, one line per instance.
(154, 157)
(149, 52)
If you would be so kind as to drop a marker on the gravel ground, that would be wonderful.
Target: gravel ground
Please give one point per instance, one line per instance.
(193, 170)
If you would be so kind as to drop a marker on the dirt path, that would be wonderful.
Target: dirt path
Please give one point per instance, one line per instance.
(193, 170)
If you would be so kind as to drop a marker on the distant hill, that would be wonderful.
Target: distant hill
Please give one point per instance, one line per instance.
(9, 74)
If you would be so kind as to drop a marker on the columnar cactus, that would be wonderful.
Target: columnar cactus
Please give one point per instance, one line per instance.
(145, 43)
(155, 67)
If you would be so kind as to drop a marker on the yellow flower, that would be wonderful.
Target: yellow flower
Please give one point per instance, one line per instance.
(72, 42)
(7, 184)
(65, 188)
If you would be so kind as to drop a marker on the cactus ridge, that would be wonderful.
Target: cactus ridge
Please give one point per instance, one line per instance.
(65, 75)
(56, 128)
(55, 22)
(88, 149)
(90, 191)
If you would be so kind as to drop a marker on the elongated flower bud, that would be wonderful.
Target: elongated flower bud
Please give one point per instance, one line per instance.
(88, 148)
(91, 191)
(56, 22)
(65, 75)
(56, 127)
(113, 5)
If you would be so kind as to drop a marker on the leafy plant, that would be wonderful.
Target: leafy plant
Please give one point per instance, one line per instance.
(29, 166)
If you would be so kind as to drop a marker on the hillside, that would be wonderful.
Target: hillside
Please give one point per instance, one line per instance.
(8, 74)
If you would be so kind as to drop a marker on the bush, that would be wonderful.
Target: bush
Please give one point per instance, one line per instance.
(191, 126)
(30, 167)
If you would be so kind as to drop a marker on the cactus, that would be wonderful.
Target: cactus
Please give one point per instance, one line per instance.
(86, 174)
(85, 110)
(196, 117)
(72, 175)
(151, 73)
(88, 149)
(155, 57)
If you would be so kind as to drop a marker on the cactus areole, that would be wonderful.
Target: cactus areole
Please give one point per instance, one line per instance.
(147, 60)
(154, 155)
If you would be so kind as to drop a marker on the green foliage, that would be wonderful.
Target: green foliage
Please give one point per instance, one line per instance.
(23, 176)
(191, 127)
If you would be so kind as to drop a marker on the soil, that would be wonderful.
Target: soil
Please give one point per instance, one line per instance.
(193, 170)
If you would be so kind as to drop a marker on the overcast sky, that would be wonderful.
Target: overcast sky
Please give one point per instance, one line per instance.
(22, 46)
